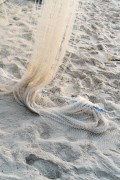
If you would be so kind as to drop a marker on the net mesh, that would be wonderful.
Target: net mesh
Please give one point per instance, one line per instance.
(53, 21)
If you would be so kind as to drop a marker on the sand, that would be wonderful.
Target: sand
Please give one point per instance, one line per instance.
(36, 148)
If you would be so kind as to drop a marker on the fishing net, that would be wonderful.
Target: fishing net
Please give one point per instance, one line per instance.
(48, 26)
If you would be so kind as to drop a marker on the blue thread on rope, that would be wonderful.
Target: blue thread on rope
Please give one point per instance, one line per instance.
(44, 92)
(100, 109)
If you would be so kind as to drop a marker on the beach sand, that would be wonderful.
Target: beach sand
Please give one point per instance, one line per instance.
(36, 148)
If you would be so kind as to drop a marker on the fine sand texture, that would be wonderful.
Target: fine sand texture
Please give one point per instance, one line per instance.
(36, 148)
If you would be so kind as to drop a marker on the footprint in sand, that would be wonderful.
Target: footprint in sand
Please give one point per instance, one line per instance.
(46, 167)
(63, 151)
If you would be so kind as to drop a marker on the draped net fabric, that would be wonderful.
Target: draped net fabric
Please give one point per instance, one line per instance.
(53, 21)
